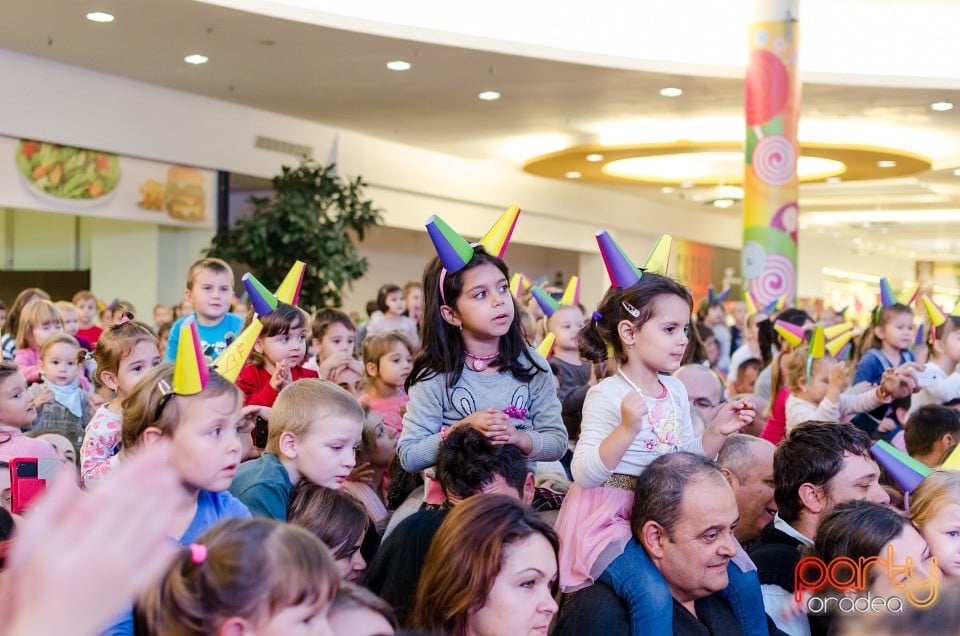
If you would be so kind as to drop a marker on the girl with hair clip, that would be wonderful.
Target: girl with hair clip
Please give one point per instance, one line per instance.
(62, 405)
(124, 353)
(199, 412)
(277, 358)
(885, 348)
(629, 420)
(475, 368)
(940, 382)
(935, 511)
(337, 519)
(12, 323)
(39, 321)
(491, 570)
(244, 576)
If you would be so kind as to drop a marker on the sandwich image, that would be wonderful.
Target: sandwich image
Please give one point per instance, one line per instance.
(185, 194)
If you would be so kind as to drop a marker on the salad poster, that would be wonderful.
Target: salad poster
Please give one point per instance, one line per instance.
(41, 175)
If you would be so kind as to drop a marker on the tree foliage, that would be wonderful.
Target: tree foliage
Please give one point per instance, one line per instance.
(314, 216)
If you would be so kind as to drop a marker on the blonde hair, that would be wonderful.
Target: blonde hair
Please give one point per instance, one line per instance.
(149, 405)
(63, 338)
(375, 347)
(939, 488)
(215, 265)
(253, 569)
(85, 294)
(304, 404)
(797, 367)
(35, 312)
(65, 307)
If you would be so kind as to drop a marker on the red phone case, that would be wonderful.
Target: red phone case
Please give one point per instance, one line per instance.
(24, 489)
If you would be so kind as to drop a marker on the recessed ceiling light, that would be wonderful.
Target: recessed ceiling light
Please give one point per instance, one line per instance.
(886, 163)
(398, 65)
(99, 16)
(833, 179)
(941, 106)
(956, 172)
(489, 96)
(573, 174)
(723, 203)
(686, 185)
(671, 91)
(667, 190)
(196, 58)
(594, 157)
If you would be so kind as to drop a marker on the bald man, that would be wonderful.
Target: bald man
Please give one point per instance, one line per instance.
(705, 392)
(747, 464)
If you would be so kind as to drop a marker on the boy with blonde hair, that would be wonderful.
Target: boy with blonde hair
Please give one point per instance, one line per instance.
(313, 433)
(210, 291)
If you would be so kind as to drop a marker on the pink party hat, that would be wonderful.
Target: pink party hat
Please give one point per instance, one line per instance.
(190, 371)
(571, 295)
(659, 258)
(905, 470)
(289, 289)
(792, 334)
(887, 297)
(547, 302)
(496, 240)
(621, 270)
(262, 301)
(453, 249)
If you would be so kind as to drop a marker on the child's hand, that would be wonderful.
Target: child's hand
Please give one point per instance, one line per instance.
(491, 422)
(362, 473)
(280, 377)
(96, 401)
(839, 377)
(886, 425)
(335, 363)
(732, 417)
(633, 408)
(899, 382)
(45, 396)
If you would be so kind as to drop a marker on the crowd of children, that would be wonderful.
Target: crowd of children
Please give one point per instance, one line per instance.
(239, 473)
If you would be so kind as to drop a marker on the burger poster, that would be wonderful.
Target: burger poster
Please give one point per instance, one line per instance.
(42, 175)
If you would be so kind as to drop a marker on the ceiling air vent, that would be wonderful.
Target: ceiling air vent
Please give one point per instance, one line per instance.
(278, 145)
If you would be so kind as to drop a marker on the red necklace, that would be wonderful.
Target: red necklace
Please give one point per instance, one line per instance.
(479, 363)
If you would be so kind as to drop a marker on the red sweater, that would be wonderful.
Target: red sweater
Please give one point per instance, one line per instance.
(254, 381)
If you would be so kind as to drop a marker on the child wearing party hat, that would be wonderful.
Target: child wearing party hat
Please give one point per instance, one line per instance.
(818, 387)
(629, 420)
(210, 292)
(475, 368)
(199, 413)
(277, 357)
(939, 381)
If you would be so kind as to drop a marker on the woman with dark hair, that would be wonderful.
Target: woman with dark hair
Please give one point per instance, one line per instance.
(337, 519)
(491, 570)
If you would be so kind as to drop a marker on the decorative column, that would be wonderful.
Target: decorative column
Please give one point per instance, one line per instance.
(771, 188)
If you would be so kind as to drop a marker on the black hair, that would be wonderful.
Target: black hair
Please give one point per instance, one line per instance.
(927, 425)
(881, 316)
(600, 334)
(467, 461)
(382, 294)
(951, 324)
(443, 350)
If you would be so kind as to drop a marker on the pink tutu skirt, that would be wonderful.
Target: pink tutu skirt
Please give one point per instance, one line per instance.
(593, 527)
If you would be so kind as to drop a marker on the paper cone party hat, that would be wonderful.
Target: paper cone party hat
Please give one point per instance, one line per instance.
(952, 462)
(289, 290)
(833, 331)
(546, 347)
(835, 346)
(772, 306)
(936, 313)
(229, 363)
(190, 371)
(818, 348)
(781, 302)
(659, 258)
(791, 333)
(751, 303)
(909, 295)
(518, 285)
(905, 470)
(542, 281)
(918, 338)
(453, 249)
(496, 240)
(887, 297)
(621, 270)
(547, 302)
(571, 295)
(262, 301)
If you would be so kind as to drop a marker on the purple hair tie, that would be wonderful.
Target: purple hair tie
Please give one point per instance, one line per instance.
(597, 315)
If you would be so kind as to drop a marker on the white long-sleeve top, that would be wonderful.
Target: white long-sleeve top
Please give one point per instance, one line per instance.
(947, 388)
(851, 402)
(666, 428)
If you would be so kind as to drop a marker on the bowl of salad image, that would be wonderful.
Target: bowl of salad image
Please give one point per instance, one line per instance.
(62, 174)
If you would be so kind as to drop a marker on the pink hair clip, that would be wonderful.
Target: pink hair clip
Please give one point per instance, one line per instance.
(127, 317)
(198, 552)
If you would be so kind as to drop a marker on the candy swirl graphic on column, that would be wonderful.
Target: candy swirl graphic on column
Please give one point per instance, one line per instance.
(778, 278)
(774, 160)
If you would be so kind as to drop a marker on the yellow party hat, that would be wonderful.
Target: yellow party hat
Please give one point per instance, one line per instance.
(289, 290)
(229, 363)
(190, 371)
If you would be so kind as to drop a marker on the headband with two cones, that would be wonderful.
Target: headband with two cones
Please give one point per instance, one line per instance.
(190, 372)
(455, 252)
(834, 340)
(938, 317)
(549, 304)
(714, 297)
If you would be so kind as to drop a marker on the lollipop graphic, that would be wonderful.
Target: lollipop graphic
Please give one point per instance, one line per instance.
(767, 87)
(774, 160)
